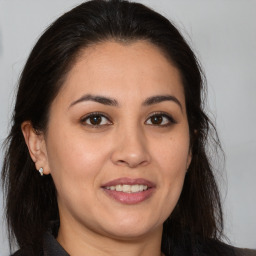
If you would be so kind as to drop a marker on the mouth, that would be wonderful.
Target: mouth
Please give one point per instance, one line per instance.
(129, 191)
(128, 188)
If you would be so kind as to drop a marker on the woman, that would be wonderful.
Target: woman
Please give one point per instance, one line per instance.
(109, 112)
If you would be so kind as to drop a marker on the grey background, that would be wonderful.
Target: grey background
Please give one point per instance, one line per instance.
(223, 35)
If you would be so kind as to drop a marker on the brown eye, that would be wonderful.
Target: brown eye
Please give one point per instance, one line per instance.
(95, 119)
(160, 119)
(156, 120)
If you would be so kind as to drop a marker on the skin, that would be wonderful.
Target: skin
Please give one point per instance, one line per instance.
(126, 143)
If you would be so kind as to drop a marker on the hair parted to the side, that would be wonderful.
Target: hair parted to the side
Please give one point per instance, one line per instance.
(31, 199)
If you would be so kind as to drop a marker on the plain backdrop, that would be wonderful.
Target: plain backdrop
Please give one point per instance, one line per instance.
(223, 35)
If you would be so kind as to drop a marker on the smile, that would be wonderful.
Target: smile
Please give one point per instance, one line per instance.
(128, 188)
(129, 191)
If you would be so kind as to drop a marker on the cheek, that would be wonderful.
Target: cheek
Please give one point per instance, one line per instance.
(71, 148)
(171, 159)
(74, 167)
(172, 154)
(74, 161)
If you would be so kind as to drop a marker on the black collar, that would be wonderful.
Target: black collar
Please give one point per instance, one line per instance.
(51, 246)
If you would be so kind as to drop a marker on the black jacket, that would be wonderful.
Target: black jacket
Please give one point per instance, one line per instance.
(51, 247)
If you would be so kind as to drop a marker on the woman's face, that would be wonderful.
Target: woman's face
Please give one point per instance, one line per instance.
(117, 142)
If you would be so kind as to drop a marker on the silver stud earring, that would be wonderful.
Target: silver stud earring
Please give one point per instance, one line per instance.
(41, 171)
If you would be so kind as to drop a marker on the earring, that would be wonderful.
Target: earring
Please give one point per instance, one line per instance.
(41, 171)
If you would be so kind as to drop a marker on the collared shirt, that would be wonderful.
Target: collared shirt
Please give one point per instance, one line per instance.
(51, 246)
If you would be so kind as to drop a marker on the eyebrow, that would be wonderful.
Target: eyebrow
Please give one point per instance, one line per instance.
(96, 98)
(112, 102)
(160, 98)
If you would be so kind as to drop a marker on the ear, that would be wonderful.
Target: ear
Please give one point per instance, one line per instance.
(36, 145)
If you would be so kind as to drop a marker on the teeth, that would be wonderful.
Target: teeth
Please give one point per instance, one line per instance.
(128, 188)
(119, 188)
(135, 188)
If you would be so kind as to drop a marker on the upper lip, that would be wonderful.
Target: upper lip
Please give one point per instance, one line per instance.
(129, 181)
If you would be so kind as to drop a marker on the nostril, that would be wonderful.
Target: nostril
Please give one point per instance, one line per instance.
(130, 155)
(121, 161)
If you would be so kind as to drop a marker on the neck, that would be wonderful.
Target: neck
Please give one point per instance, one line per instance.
(79, 241)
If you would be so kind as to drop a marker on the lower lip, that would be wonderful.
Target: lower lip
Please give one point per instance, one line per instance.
(129, 198)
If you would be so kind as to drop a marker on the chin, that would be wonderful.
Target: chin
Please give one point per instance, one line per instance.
(127, 230)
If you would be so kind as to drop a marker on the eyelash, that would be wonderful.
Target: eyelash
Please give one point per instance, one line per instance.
(163, 115)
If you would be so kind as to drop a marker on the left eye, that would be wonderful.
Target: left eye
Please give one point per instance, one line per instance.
(95, 120)
(160, 120)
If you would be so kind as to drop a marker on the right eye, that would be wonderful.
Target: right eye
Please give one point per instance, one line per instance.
(95, 120)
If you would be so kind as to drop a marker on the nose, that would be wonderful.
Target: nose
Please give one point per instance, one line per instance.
(131, 149)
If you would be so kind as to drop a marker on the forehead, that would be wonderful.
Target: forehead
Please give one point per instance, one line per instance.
(113, 67)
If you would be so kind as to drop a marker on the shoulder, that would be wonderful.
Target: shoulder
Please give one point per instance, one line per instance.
(244, 252)
(27, 252)
(18, 253)
(221, 248)
(213, 247)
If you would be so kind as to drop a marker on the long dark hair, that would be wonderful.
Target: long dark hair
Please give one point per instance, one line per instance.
(31, 199)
